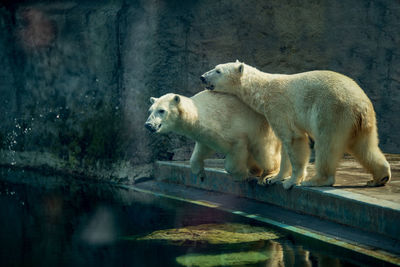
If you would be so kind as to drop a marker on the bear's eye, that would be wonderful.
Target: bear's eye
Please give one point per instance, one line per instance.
(161, 111)
(218, 72)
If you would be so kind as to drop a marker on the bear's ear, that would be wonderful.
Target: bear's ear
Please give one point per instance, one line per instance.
(153, 99)
(177, 99)
(237, 61)
(240, 68)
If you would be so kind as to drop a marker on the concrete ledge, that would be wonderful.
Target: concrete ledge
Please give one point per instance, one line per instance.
(339, 204)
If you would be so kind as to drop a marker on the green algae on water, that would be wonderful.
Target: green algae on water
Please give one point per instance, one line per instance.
(225, 259)
(228, 233)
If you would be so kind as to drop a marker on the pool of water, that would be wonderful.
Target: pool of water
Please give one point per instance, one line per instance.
(60, 221)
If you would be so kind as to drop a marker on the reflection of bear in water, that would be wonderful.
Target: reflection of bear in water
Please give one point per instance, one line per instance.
(219, 122)
(327, 106)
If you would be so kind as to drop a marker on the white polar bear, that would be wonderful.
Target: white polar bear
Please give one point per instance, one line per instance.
(219, 122)
(327, 106)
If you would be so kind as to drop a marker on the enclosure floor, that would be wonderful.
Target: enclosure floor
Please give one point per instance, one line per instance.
(350, 176)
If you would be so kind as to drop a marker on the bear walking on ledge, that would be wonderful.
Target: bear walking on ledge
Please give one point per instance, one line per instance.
(327, 106)
(222, 123)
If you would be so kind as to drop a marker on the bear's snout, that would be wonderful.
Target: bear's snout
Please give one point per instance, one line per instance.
(150, 127)
(204, 81)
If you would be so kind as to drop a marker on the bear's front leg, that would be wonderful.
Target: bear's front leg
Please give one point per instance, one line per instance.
(200, 153)
(298, 152)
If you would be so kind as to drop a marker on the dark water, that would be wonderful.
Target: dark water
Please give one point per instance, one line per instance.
(57, 221)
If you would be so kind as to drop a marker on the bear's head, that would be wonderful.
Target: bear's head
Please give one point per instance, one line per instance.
(224, 77)
(164, 113)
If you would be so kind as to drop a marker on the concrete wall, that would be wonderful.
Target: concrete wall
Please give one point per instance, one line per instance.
(75, 76)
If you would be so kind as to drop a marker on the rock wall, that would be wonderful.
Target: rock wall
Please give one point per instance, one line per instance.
(76, 76)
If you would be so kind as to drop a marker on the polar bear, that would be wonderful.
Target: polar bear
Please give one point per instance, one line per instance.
(219, 123)
(327, 106)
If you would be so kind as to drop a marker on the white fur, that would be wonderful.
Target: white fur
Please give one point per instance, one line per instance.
(220, 122)
(327, 106)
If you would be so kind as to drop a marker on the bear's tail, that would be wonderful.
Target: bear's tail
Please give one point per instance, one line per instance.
(365, 121)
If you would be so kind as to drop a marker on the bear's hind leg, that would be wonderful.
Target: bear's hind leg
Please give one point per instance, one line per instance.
(268, 157)
(253, 167)
(328, 152)
(267, 153)
(285, 169)
(365, 149)
(236, 162)
(200, 153)
(299, 154)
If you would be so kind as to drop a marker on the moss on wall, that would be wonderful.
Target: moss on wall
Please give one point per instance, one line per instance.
(96, 138)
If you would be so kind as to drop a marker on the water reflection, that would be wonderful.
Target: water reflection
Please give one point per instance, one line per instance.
(221, 233)
(101, 228)
(63, 222)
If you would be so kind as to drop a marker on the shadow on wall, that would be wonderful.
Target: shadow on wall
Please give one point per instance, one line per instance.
(76, 76)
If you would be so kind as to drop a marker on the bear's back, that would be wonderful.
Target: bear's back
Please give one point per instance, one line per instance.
(224, 112)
